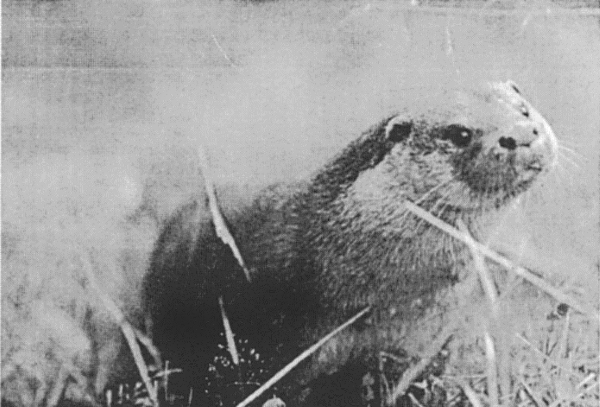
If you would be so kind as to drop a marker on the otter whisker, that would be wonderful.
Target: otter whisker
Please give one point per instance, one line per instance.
(570, 142)
(561, 174)
(439, 205)
(444, 205)
(438, 186)
(460, 191)
(567, 159)
(443, 198)
(564, 173)
(422, 198)
(570, 150)
(441, 211)
(420, 221)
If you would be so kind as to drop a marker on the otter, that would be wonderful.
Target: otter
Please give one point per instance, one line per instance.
(319, 251)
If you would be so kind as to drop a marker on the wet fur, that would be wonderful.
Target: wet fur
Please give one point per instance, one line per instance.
(322, 250)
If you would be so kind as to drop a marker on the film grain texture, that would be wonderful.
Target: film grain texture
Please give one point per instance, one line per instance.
(104, 105)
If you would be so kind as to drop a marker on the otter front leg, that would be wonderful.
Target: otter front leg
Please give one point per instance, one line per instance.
(359, 367)
(343, 372)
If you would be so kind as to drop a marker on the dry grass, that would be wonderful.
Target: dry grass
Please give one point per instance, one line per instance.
(534, 351)
(71, 271)
(518, 344)
(510, 346)
(548, 355)
(514, 345)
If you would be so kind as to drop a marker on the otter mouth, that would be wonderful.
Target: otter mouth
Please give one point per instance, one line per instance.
(534, 167)
(528, 174)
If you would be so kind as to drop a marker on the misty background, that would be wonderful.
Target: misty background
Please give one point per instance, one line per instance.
(105, 102)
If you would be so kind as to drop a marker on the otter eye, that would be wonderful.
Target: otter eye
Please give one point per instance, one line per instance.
(524, 110)
(459, 135)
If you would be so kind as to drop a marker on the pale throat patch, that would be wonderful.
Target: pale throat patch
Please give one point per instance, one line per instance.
(382, 190)
(369, 185)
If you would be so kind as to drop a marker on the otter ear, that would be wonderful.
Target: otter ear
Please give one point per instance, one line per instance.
(398, 128)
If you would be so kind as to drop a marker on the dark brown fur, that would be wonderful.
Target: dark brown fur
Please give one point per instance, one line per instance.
(323, 250)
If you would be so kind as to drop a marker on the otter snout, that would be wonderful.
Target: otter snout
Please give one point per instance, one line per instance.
(546, 143)
(524, 134)
(530, 137)
(537, 140)
(532, 144)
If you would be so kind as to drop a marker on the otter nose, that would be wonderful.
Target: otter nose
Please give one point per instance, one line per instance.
(523, 134)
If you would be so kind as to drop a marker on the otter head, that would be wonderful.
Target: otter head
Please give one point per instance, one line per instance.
(475, 152)
(506, 144)
(482, 150)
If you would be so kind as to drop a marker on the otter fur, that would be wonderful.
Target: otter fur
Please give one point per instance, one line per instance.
(322, 250)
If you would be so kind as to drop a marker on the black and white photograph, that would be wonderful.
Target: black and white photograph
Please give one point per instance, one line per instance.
(300, 203)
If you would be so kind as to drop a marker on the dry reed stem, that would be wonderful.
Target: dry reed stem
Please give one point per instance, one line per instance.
(385, 384)
(226, 237)
(470, 393)
(280, 374)
(504, 262)
(57, 391)
(167, 376)
(218, 220)
(487, 282)
(504, 366)
(190, 397)
(537, 400)
(414, 400)
(147, 342)
(392, 357)
(564, 337)
(589, 378)
(542, 355)
(229, 334)
(496, 346)
(411, 374)
(567, 402)
(126, 328)
(491, 369)
(109, 398)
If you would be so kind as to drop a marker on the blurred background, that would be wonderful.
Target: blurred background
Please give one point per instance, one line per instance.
(105, 102)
